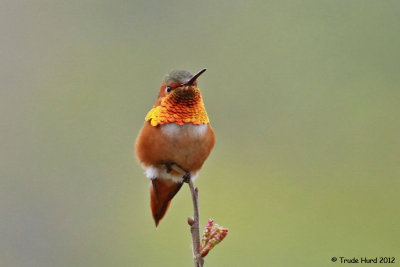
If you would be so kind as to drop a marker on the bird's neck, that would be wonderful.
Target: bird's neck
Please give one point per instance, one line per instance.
(179, 109)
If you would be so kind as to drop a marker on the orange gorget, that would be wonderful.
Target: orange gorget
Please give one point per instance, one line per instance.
(179, 108)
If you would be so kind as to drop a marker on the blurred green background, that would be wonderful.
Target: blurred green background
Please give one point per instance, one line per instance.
(303, 97)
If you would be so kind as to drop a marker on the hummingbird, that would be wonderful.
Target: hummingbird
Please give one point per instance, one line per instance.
(175, 140)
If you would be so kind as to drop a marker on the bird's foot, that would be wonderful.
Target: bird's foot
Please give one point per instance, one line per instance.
(168, 167)
(172, 166)
(187, 177)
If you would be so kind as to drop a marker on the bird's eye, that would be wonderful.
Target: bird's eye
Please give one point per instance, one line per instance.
(168, 89)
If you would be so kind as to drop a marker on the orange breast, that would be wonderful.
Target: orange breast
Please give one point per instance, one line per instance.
(187, 145)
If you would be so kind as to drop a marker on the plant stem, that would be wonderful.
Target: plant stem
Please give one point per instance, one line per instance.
(195, 222)
(195, 226)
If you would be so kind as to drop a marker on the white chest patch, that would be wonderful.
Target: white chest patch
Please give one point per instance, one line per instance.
(175, 130)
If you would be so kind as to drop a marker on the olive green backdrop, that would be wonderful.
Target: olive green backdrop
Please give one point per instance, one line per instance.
(303, 96)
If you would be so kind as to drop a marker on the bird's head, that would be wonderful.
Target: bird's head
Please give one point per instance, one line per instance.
(179, 100)
(181, 85)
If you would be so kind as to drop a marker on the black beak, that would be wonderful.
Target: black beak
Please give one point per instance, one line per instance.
(194, 78)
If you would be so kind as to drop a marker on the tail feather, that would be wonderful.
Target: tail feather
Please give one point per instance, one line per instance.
(161, 193)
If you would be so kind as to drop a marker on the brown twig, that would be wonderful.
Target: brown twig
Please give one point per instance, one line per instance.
(195, 226)
(195, 221)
